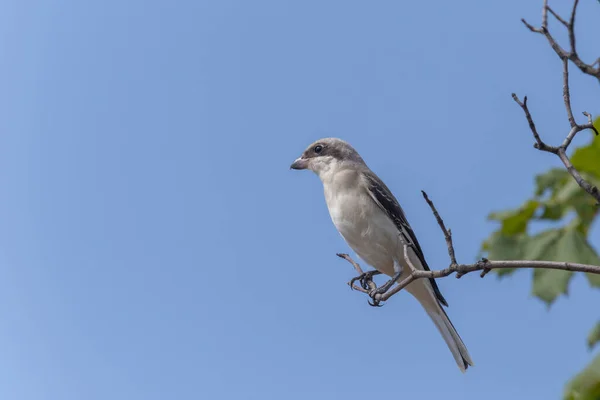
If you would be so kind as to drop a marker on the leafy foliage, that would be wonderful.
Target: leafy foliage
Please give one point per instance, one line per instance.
(558, 199)
(561, 244)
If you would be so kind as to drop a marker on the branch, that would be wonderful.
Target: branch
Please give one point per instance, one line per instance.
(484, 265)
(572, 54)
(585, 185)
(561, 151)
(447, 233)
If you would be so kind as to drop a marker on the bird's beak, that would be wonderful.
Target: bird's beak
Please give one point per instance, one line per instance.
(300, 163)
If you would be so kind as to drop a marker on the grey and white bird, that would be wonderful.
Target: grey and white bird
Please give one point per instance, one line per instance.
(371, 221)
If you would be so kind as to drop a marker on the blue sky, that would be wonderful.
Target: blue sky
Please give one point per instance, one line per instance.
(154, 243)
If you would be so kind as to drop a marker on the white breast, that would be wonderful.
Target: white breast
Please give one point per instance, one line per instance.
(364, 226)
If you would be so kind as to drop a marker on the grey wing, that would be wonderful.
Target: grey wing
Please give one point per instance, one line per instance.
(384, 198)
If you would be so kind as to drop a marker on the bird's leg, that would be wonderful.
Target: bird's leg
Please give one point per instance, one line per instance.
(365, 278)
(386, 286)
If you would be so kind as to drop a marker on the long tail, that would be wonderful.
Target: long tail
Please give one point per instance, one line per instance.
(451, 337)
(443, 323)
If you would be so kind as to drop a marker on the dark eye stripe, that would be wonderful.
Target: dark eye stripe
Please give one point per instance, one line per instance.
(318, 148)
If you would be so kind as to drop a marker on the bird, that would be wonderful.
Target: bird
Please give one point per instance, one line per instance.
(372, 222)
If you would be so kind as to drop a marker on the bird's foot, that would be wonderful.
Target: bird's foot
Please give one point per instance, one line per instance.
(365, 278)
(376, 294)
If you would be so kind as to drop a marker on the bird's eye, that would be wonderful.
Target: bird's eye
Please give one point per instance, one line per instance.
(318, 148)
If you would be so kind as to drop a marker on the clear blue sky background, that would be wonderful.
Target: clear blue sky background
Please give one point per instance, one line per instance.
(154, 243)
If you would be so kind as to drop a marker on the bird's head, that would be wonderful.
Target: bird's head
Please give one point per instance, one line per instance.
(326, 155)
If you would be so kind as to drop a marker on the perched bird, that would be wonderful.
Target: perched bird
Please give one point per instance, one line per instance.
(371, 221)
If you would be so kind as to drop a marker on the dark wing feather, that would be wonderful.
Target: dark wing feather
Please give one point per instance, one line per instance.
(386, 200)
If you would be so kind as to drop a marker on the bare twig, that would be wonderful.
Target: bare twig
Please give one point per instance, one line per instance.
(540, 145)
(483, 265)
(571, 27)
(545, 15)
(561, 151)
(567, 94)
(572, 54)
(585, 185)
(447, 232)
(558, 17)
(531, 27)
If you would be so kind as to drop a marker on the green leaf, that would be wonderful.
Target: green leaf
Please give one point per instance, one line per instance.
(542, 246)
(552, 179)
(553, 212)
(586, 211)
(504, 247)
(572, 196)
(569, 191)
(576, 248)
(586, 385)
(594, 336)
(566, 244)
(548, 284)
(515, 221)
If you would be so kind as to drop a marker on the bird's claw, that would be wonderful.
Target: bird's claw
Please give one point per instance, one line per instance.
(375, 296)
(365, 278)
(356, 278)
(375, 303)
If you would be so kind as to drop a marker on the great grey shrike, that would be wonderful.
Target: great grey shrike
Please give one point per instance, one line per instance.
(371, 221)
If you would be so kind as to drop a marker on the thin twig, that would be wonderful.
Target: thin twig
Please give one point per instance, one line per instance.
(531, 27)
(539, 143)
(590, 124)
(566, 92)
(558, 17)
(571, 27)
(585, 185)
(561, 151)
(447, 232)
(572, 55)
